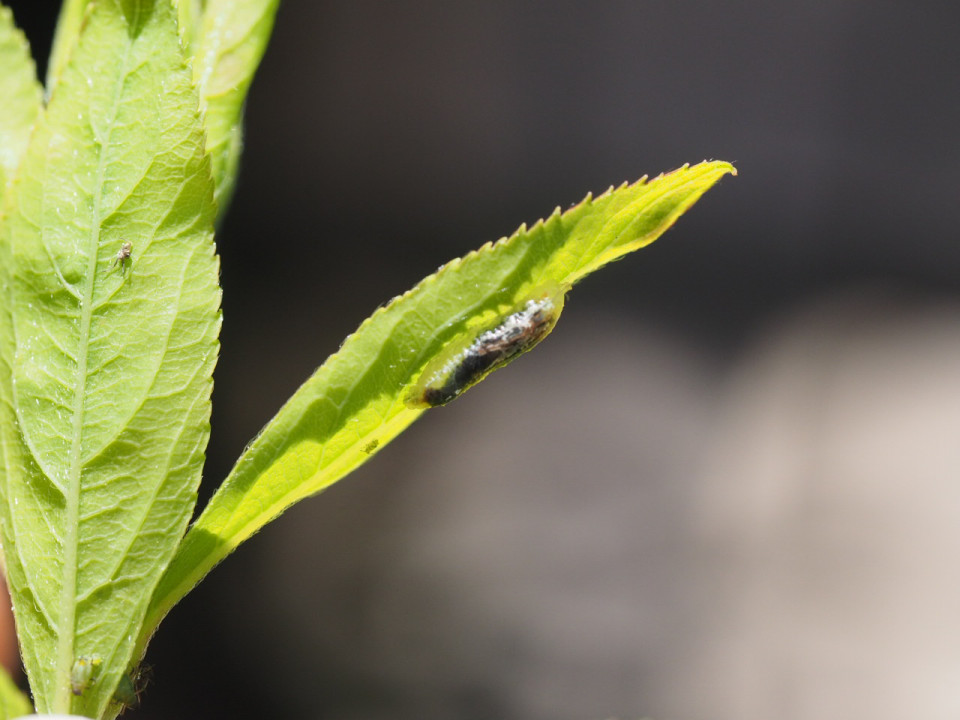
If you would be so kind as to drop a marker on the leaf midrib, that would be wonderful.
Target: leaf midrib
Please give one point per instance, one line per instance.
(66, 627)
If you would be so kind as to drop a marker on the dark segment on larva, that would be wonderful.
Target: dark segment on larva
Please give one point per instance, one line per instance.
(519, 332)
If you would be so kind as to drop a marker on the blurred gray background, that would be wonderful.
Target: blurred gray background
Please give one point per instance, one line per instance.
(725, 488)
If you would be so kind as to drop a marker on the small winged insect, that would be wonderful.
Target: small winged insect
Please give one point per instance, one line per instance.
(131, 685)
(84, 673)
(123, 254)
(450, 375)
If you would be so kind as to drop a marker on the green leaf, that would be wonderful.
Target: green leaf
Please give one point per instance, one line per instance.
(189, 15)
(227, 44)
(104, 409)
(227, 39)
(65, 38)
(21, 93)
(13, 703)
(359, 399)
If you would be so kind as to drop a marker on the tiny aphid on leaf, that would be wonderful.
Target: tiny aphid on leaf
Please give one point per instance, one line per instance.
(131, 685)
(447, 378)
(84, 672)
(123, 254)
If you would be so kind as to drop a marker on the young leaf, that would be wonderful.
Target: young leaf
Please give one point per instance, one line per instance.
(21, 93)
(189, 14)
(104, 409)
(227, 43)
(355, 403)
(65, 38)
(13, 703)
